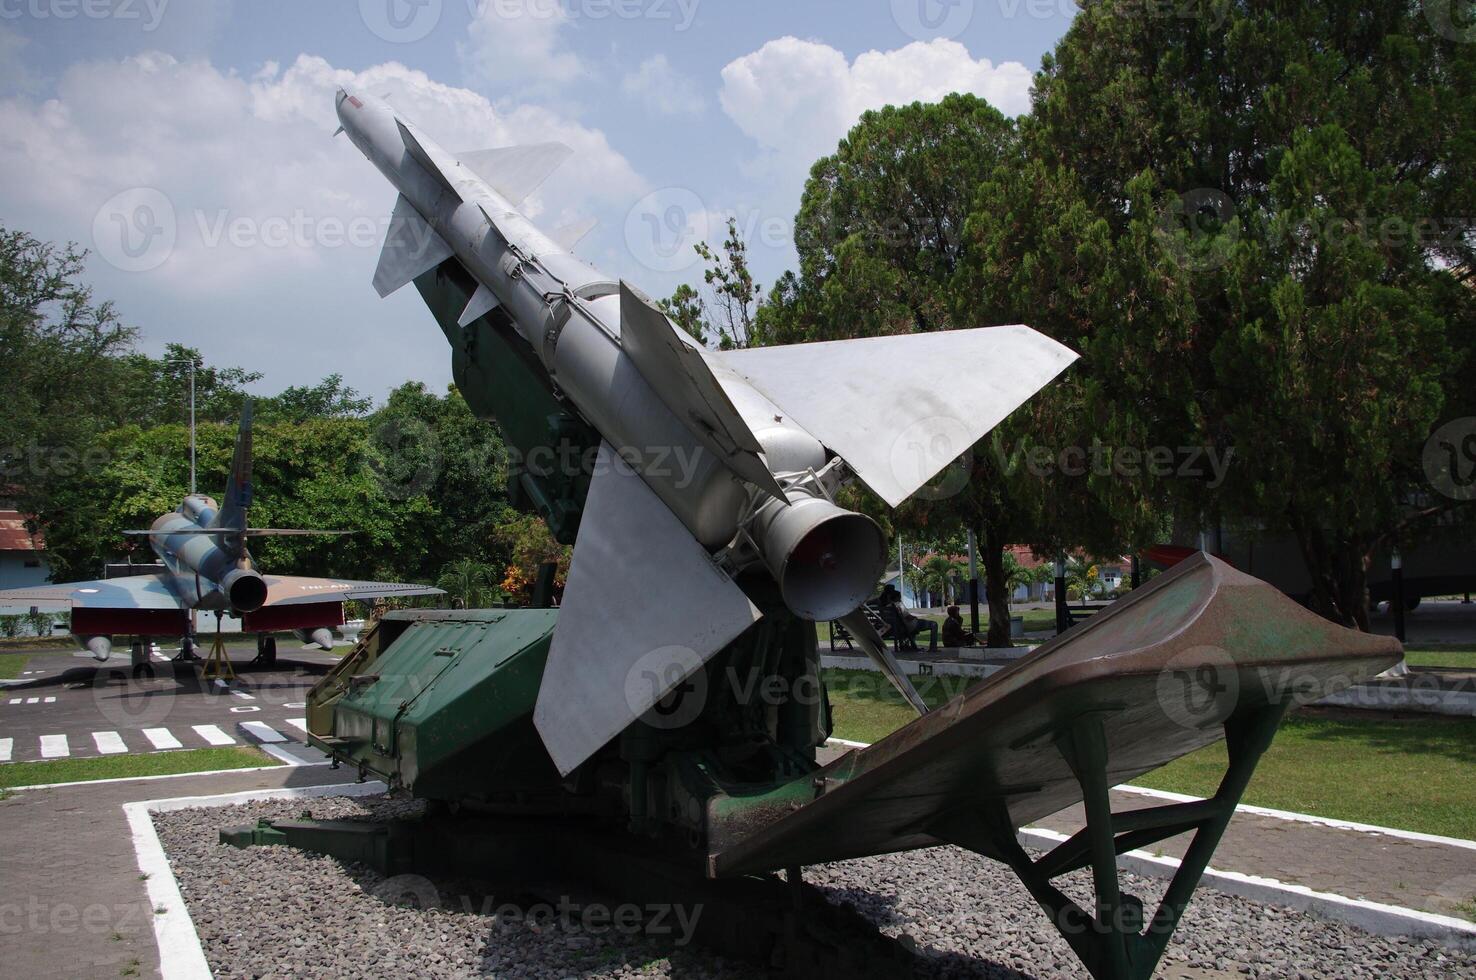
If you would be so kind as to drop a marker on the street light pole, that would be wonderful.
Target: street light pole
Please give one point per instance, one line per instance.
(191, 363)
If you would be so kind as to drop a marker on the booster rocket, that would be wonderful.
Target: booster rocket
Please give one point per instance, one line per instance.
(769, 434)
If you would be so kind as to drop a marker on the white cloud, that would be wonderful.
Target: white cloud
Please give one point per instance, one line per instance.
(515, 46)
(662, 89)
(797, 99)
(277, 226)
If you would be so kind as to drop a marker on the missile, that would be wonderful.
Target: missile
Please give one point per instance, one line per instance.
(767, 436)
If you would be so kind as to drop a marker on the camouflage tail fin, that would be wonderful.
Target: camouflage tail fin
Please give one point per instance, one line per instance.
(237, 498)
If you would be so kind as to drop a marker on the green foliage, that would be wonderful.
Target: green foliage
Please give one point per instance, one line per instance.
(470, 584)
(1247, 223)
(733, 294)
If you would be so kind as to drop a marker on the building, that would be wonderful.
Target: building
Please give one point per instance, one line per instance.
(22, 558)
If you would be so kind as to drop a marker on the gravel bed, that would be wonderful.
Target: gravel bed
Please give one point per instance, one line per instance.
(280, 913)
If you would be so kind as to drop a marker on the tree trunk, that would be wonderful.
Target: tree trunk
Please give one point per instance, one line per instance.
(1339, 572)
(996, 586)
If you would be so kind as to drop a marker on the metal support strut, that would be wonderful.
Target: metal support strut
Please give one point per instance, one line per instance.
(1111, 941)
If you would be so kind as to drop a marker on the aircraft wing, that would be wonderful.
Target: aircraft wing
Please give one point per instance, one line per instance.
(126, 592)
(290, 590)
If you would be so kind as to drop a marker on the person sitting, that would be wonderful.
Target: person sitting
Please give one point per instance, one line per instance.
(905, 626)
(954, 634)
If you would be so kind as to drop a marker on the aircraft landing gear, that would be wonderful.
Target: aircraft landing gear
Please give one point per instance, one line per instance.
(139, 654)
(266, 650)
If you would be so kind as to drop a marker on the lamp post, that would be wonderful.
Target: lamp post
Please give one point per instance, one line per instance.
(1396, 604)
(191, 363)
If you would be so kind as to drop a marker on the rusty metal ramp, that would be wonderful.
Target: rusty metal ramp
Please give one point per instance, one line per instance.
(1203, 652)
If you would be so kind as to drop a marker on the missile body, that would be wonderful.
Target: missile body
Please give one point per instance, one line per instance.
(570, 315)
(765, 436)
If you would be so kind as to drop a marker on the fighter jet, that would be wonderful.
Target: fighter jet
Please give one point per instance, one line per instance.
(206, 566)
(764, 437)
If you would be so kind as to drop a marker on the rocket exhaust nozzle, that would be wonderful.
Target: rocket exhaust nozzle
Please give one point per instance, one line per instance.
(826, 560)
(245, 589)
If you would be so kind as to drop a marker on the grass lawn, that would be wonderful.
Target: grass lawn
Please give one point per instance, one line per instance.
(866, 708)
(1411, 772)
(11, 665)
(1443, 655)
(122, 766)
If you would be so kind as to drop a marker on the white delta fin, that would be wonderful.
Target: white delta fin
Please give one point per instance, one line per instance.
(899, 409)
(615, 652)
(516, 172)
(675, 369)
(483, 301)
(570, 235)
(411, 248)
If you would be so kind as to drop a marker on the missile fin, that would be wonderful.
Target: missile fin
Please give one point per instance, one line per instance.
(483, 301)
(423, 157)
(674, 367)
(515, 172)
(568, 236)
(615, 653)
(899, 409)
(411, 248)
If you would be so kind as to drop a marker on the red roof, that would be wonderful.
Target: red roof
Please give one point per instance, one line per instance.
(14, 536)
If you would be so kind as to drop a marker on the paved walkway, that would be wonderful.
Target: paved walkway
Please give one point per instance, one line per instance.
(73, 902)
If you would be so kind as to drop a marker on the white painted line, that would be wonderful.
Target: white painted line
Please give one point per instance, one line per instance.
(15, 700)
(214, 735)
(149, 779)
(109, 743)
(282, 754)
(299, 723)
(48, 700)
(263, 732)
(7, 746)
(181, 956)
(1387, 920)
(243, 694)
(54, 747)
(162, 738)
(33, 700)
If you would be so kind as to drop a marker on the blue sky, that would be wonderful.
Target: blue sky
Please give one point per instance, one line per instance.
(188, 143)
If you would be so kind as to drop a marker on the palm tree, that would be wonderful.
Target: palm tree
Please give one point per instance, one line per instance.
(470, 583)
(937, 572)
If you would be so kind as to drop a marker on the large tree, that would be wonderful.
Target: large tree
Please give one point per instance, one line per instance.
(1279, 196)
